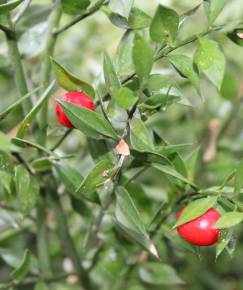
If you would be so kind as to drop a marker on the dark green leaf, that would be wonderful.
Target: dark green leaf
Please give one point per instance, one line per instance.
(236, 36)
(184, 65)
(129, 219)
(75, 6)
(229, 88)
(89, 122)
(210, 60)
(224, 240)
(27, 188)
(196, 209)
(141, 138)
(164, 25)
(70, 82)
(159, 274)
(23, 268)
(228, 220)
(125, 98)
(96, 177)
(34, 111)
(142, 57)
(238, 178)
(6, 7)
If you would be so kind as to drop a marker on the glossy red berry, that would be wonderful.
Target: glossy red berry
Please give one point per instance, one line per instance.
(200, 231)
(77, 98)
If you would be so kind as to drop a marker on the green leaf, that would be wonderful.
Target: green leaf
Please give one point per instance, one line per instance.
(123, 58)
(142, 57)
(125, 98)
(138, 19)
(6, 111)
(159, 274)
(70, 176)
(228, 220)
(23, 268)
(173, 173)
(238, 178)
(34, 111)
(5, 142)
(6, 180)
(225, 238)
(210, 60)
(188, 13)
(121, 7)
(27, 188)
(96, 177)
(141, 138)
(6, 7)
(130, 221)
(70, 82)
(74, 7)
(229, 89)
(25, 143)
(164, 26)
(111, 79)
(196, 209)
(89, 122)
(184, 65)
(213, 9)
(236, 36)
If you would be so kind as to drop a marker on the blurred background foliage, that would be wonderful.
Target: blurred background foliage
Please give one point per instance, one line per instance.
(81, 50)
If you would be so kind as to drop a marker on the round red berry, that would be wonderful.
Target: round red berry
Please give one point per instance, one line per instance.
(200, 231)
(77, 98)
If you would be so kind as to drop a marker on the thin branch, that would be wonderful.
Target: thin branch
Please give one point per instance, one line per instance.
(81, 17)
(22, 11)
(63, 137)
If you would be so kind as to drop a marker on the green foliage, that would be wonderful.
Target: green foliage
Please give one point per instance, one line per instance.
(98, 210)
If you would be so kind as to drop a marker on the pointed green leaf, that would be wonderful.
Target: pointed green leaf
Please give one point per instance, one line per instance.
(184, 65)
(89, 122)
(34, 111)
(23, 268)
(111, 78)
(10, 5)
(196, 209)
(213, 9)
(225, 238)
(236, 36)
(130, 221)
(228, 220)
(75, 6)
(125, 98)
(238, 178)
(210, 60)
(142, 57)
(164, 26)
(121, 7)
(27, 188)
(70, 82)
(96, 177)
(138, 19)
(141, 138)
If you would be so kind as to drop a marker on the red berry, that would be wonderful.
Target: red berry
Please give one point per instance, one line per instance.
(200, 231)
(77, 98)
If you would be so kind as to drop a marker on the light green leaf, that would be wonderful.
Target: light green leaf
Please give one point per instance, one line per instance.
(10, 5)
(130, 221)
(34, 111)
(125, 98)
(164, 25)
(159, 274)
(5, 142)
(70, 82)
(196, 209)
(141, 138)
(228, 220)
(188, 13)
(74, 7)
(230, 87)
(89, 122)
(138, 19)
(225, 238)
(5, 180)
(121, 7)
(184, 65)
(27, 188)
(96, 177)
(23, 268)
(142, 57)
(111, 79)
(213, 9)
(210, 60)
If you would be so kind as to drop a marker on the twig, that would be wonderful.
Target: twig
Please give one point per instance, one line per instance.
(24, 162)
(22, 11)
(81, 17)
(63, 137)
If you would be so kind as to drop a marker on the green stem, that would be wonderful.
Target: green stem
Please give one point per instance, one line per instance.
(46, 69)
(42, 240)
(68, 242)
(19, 74)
